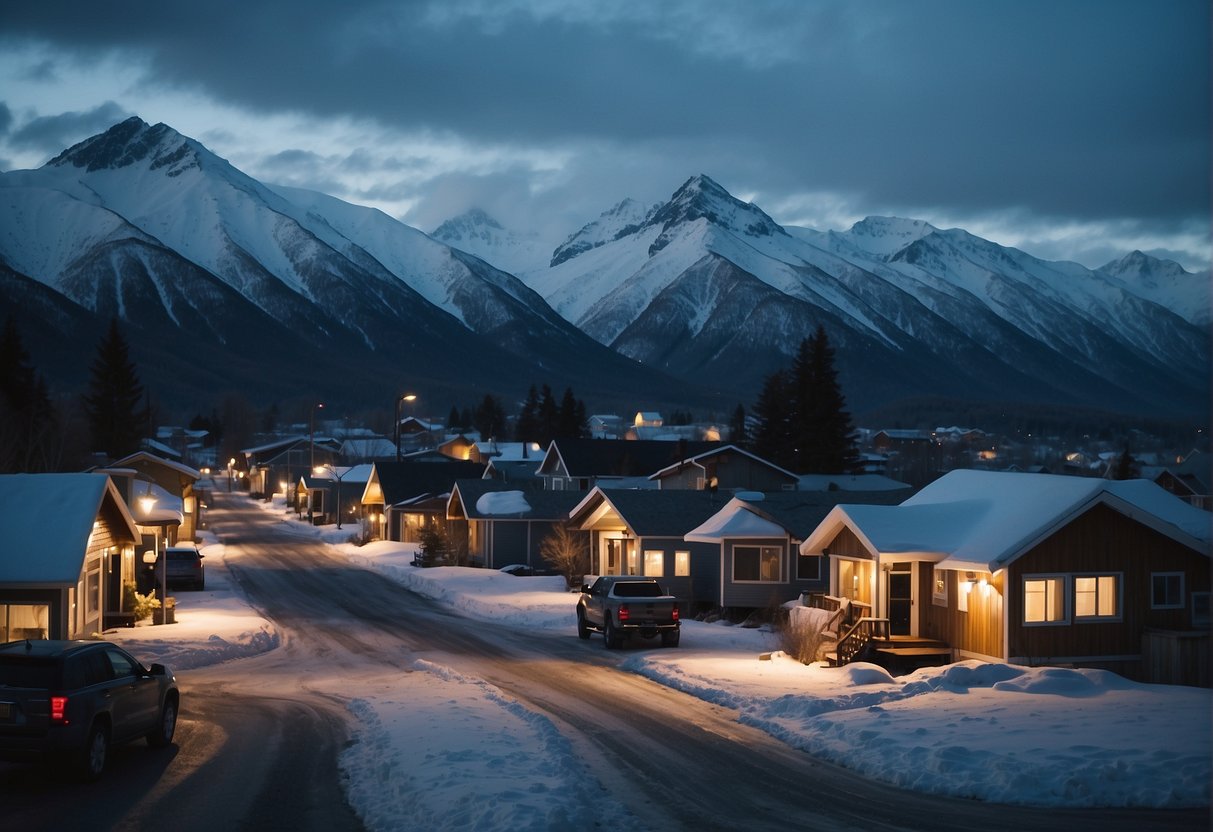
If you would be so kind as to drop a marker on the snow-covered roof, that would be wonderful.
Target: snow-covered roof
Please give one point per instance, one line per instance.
(502, 502)
(46, 521)
(717, 452)
(734, 520)
(986, 519)
(144, 456)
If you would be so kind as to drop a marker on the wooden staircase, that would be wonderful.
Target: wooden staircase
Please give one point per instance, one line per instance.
(855, 640)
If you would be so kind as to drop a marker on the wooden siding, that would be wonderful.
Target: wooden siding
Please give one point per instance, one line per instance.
(977, 631)
(1103, 541)
(847, 544)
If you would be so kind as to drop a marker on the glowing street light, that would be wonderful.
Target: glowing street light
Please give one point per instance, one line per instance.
(406, 397)
(320, 469)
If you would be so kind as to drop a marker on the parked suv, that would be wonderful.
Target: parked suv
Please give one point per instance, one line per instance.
(184, 564)
(76, 699)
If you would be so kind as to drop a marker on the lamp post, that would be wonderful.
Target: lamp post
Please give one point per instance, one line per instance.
(319, 469)
(311, 444)
(405, 397)
(230, 464)
(156, 558)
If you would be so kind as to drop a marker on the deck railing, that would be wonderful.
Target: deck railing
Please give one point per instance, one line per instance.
(857, 637)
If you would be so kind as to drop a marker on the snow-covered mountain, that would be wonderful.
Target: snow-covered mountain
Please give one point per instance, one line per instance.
(476, 233)
(1165, 282)
(147, 225)
(706, 286)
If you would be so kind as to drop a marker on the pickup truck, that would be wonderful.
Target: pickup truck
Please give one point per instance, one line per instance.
(619, 606)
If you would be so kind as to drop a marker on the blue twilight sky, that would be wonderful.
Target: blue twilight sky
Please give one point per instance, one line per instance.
(1074, 129)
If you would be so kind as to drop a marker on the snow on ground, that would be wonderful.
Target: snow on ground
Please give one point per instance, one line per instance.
(1043, 736)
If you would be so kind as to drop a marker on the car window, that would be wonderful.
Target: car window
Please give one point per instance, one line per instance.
(22, 672)
(94, 668)
(122, 664)
(637, 589)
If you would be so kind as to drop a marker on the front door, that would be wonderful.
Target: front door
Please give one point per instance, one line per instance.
(901, 599)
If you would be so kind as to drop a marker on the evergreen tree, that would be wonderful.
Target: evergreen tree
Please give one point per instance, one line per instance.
(489, 419)
(526, 428)
(548, 417)
(569, 426)
(31, 440)
(1126, 466)
(738, 434)
(823, 435)
(453, 423)
(773, 412)
(117, 423)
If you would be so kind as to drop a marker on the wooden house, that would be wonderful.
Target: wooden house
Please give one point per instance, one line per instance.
(333, 494)
(756, 539)
(402, 498)
(641, 532)
(580, 464)
(175, 480)
(504, 523)
(1034, 569)
(277, 466)
(725, 468)
(1191, 479)
(69, 549)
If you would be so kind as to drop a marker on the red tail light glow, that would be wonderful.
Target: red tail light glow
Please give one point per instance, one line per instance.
(59, 710)
(675, 615)
(624, 615)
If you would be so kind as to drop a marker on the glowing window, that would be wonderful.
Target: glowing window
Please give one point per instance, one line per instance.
(682, 564)
(1044, 600)
(654, 563)
(1097, 596)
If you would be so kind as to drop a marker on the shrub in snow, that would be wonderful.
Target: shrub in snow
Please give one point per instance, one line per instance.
(566, 552)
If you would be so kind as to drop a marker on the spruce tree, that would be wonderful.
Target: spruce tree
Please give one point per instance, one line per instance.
(570, 421)
(738, 434)
(548, 417)
(526, 428)
(117, 423)
(773, 412)
(30, 436)
(823, 435)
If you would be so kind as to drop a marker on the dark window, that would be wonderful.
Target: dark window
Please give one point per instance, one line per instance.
(20, 672)
(808, 567)
(637, 589)
(121, 664)
(97, 668)
(1167, 590)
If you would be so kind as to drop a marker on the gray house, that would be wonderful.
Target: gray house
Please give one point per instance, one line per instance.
(505, 523)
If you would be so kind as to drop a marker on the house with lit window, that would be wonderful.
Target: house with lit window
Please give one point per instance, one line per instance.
(756, 538)
(642, 532)
(725, 468)
(400, 499)
(174, 479)
(69, 550)
(580, 464)
(505, 523)
(1033, 569)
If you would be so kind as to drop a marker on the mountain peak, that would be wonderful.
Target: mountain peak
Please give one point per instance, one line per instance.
(700, 197)
(129, 142)
(623, 218)
(1139, 263)
(466, 224)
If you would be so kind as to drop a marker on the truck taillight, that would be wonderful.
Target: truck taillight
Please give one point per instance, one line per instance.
(674, 615)
(59, 709)
(623, 612)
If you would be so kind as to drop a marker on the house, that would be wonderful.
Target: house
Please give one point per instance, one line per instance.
(756, 539)
(505, 524)
(725, 468)
(580, 464)
(333, 494)
(276, 465)
(402, 498)
(1034, 569)
(177, 481)
(69, 550)
(634, 532)
(894, 439)
(647, 419)
(606, 426)
(1191, 479)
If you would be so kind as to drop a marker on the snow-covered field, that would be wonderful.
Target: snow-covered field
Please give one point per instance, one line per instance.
(1044, 736)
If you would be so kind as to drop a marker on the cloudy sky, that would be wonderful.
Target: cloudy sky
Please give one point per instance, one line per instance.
(1074, 129)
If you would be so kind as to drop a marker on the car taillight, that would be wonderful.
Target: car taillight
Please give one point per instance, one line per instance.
(59, 709)
(675, 615)
(623, 612)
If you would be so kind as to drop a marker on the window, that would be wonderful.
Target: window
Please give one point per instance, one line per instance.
(963, 589)
(654, 563)
(682, 564)
(1044, 599)
(633, 561)
(92, 599)
(808, 567)
(1166, 590)
(1200, 609)
(757, 563)
(1096, 596)
(939, 588)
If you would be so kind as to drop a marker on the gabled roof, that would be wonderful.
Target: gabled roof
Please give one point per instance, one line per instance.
(409, 479)
(352, 477)
(46, 521)
(780, 513)
(470, 495)
(617, 457)
(649, 513)
(134, 459)
(721, 450)
(987, 519)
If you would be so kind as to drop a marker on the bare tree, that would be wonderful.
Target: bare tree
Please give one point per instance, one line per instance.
(567, 552)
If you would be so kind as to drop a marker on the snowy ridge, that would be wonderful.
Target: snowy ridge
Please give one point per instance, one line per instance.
(478, 234)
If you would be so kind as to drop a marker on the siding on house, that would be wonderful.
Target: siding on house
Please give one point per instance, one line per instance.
(977, 631)
(1103, 541)
(756, 594)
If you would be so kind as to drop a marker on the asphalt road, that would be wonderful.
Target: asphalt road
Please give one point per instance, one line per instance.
(258, 741)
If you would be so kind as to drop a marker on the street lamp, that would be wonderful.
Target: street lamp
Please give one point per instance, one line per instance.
(311, 444)
(320, 469)
(230, 464)
(406, 397)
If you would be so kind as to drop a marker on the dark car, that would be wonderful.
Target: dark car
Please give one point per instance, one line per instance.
(74, 700)
(185, 569)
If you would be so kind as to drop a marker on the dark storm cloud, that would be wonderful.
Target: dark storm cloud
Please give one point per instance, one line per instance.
(1090, 109)
(6, 118)
(53, 133)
